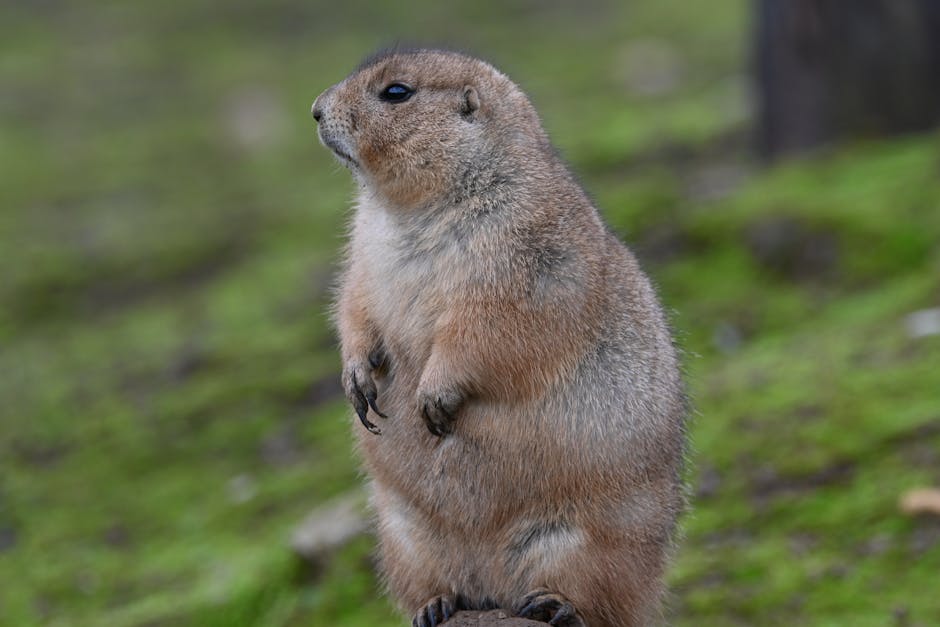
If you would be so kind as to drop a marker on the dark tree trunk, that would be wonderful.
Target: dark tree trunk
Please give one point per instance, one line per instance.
(830, 69)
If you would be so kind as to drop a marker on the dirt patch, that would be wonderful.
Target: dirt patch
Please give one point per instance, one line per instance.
(117, 536)
(7, 538)
(768, 485)
(792, 249)
(40, 454)
(189, 361)
(708, 483)
(925, 537)
(116, 285)
(662, 243)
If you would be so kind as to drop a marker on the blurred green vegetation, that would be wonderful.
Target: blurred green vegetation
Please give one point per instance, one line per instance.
(169, 403)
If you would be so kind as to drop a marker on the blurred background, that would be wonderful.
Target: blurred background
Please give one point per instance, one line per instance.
(170, 409)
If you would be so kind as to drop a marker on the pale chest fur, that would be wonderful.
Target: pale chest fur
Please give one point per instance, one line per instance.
(405, 281)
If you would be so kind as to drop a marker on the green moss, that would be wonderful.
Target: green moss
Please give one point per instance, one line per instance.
(163, 313)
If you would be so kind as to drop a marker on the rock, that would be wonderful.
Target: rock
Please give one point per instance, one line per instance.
(329, 528)
(495, 618)
(923, 323)
(921, 501)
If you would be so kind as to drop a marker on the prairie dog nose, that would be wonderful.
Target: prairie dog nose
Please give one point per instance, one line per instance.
(316, 110)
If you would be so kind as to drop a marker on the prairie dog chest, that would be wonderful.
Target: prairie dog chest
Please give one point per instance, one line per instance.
(407, 273)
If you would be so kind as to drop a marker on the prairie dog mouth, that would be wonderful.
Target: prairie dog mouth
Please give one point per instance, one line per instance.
(338, 149)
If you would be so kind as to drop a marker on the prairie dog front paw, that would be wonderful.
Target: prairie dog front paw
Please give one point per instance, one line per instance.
(438, 407)
(360, 389)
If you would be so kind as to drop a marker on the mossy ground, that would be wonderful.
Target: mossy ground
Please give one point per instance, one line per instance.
(168, 233)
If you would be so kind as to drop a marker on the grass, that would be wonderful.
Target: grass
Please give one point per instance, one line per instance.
(169, 379)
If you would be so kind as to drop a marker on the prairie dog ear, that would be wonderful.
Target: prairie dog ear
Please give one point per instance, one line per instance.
(471, 100)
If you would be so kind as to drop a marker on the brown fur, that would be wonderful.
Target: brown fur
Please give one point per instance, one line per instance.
(481, 281)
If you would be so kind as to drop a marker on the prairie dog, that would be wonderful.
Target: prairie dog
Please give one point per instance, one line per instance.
(533, 446)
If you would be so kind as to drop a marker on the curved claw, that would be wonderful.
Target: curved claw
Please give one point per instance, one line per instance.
(564, 616)
(361, 412)
(437, 611)
(362, 402)
(542, 604)
(431, 425)
(440, 407)
(371, 400)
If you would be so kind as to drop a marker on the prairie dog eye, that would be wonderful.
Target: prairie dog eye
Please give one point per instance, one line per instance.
(396, 92)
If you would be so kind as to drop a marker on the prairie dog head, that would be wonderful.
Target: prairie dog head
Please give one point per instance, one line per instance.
(412, 125)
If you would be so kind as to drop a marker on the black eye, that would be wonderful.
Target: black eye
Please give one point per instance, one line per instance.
(396, 92)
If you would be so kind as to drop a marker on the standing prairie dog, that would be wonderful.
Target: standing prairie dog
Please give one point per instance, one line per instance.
(533, 445)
